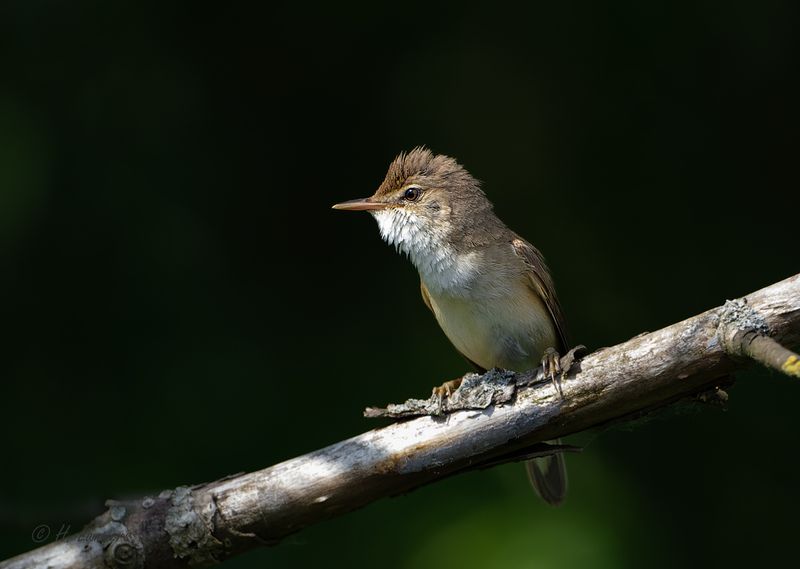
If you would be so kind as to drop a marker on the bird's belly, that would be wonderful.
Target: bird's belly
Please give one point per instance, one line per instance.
(508, 332)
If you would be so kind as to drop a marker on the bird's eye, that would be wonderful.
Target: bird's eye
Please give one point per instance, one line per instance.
(412, 194)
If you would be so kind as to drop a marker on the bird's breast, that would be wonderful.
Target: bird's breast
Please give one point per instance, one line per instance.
(502, 324)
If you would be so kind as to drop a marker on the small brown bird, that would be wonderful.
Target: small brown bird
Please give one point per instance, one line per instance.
(488, 288)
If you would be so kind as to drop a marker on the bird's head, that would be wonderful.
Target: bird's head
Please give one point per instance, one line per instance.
(426, 202)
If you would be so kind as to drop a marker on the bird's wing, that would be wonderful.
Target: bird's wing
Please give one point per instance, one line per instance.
(547, 475)
(427, 298)
(542, 284)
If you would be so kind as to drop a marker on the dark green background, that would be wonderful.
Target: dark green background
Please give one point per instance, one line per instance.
(179, 302)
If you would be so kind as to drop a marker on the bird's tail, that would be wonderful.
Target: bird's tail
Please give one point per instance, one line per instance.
(548, 476)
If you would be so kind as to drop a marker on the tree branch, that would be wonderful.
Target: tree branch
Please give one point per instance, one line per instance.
(506, 417)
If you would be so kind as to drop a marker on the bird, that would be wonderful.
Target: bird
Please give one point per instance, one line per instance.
(489, 289)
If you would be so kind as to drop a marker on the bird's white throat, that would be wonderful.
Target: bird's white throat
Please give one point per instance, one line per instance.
(442, 268)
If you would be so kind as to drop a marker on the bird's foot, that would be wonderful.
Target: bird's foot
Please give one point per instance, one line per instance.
(556, 368)
(551, 368)
(447, 388)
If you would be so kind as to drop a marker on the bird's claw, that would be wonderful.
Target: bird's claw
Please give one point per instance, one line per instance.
(447, 388)
(556, 368)
(551, 368)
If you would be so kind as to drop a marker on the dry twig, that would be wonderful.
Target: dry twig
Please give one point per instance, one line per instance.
(503, 416)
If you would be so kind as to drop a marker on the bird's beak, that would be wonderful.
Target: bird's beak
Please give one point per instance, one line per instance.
(361, 204)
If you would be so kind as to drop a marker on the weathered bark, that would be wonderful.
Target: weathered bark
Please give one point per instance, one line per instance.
(503, 417)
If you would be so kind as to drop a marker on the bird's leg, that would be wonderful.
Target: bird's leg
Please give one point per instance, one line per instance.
(556, 367)
(447, 388)
(551, 367)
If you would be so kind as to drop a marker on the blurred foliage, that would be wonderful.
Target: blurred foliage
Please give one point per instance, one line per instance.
(174, 281)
